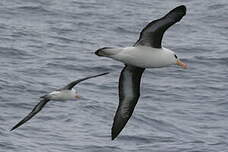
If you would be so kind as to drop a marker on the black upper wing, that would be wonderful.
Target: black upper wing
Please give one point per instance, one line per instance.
(152, 34)
(35, 110)
(129, 92)
(72, 84)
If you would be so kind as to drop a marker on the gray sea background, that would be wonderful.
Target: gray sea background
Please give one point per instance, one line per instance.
(45, 44)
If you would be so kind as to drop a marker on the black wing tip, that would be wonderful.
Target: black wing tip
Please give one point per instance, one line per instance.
(13, 128)
(16, 126)
(116, 129)
(113, 137)
(177, 13)
(114, 134)
(180, 9)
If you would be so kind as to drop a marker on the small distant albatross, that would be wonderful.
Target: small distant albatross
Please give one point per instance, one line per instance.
(147, 52)
(65, 93)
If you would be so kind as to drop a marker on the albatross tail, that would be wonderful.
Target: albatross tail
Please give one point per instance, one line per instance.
(107, 51)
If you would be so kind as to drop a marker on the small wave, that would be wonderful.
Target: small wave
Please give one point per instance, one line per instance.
(216, 6)
(10, 52)
(124, 30)
(134, 138)
(214, 59)
(34, 9)
(101, 148)
(63, 39)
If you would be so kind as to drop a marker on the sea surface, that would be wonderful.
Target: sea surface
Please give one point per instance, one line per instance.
(45, 44)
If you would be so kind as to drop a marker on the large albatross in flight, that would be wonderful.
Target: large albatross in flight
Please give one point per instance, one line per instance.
(147, 52)
(65, 93)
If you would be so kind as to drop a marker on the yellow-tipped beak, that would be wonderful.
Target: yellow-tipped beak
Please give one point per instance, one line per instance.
(77, 96)
(182, 64)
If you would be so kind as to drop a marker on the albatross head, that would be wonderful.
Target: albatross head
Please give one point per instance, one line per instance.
(77, 96)
(179, 62)
(171, 58)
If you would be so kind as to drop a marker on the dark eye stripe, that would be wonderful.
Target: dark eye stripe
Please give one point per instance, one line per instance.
(175, 56)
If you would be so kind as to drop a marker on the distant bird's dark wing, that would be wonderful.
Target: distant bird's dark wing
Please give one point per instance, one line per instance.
(72, 84)
(129, 92)
(35, 110)
(152, 34)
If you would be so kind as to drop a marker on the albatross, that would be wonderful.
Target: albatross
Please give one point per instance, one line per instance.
(63, 94)
(147, 52)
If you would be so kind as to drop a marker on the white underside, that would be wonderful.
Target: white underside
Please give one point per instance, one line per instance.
(145, 57)
(63, 95)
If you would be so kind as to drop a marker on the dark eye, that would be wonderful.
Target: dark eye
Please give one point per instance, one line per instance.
(175, 56)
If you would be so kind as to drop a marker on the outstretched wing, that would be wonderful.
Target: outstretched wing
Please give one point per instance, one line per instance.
(152, 34)
(129, 92)
(72, 84)
(35, 110)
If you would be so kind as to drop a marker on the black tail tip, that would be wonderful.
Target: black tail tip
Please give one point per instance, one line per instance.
(101, 52)
(44, 97)
(97, 52)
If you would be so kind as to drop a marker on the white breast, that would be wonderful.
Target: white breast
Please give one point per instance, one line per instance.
(145, 57)
(63, 95)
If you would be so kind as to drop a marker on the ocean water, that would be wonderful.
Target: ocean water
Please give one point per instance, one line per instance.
(45, 44)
